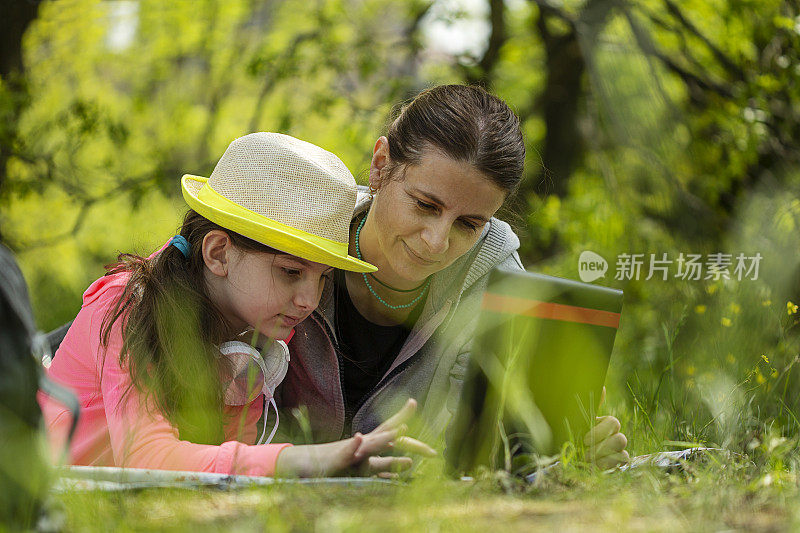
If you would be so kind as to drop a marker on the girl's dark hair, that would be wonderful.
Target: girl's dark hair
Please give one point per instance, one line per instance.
(170, 328)
(465, 123)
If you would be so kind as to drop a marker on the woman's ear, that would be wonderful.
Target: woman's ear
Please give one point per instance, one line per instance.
(217, 246)
(380, 158)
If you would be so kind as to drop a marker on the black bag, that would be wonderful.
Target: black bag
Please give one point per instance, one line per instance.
(24, 471)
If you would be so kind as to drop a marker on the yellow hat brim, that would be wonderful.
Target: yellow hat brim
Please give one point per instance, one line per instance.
(230, 215)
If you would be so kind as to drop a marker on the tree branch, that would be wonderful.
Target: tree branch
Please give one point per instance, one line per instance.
(724, 60)
(497, 39)
(692, 80)
(54, 239)
(272, 77)
(560, 101)
(17, 16)
(551, 9)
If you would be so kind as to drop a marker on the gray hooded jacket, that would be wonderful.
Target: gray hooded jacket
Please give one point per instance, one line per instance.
(431, 364)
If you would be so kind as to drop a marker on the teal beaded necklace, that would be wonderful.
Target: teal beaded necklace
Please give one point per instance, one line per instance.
(375, 294)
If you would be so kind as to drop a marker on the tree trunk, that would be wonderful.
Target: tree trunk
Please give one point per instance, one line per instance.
(16, 17)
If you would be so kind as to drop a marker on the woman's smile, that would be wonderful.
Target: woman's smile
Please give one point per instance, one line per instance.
(417, 257)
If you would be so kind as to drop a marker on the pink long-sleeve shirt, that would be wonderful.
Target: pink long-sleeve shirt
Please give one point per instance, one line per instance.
(113, 431)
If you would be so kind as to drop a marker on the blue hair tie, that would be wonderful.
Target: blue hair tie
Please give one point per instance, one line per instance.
(180, 242)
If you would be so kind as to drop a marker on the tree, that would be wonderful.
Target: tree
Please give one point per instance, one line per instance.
(17, 16)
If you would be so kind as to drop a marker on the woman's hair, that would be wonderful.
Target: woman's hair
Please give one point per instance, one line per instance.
(465, 123)
(170, 327)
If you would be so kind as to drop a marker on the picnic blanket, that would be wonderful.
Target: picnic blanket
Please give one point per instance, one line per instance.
(108, 478)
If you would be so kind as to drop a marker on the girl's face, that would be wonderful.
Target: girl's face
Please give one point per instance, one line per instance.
(270, 293)
(428, 215)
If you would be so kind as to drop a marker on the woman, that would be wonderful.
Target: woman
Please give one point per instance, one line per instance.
(155, 354)
(447, 164)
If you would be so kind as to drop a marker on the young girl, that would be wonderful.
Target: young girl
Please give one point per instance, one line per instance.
(156, 354)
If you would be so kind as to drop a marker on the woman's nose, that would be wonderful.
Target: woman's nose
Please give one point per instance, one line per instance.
(437, 237)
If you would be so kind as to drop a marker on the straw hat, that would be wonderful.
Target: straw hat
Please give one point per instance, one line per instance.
(284, 193)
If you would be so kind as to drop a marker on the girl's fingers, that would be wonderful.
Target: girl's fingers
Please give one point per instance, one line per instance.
(376, 442)
(410, 445)
(405, 445)
(377, 465)
(387, 435)
(354, 445)
(605, 427)
(401, 416)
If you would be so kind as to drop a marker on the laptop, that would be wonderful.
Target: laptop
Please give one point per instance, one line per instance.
(536, 372)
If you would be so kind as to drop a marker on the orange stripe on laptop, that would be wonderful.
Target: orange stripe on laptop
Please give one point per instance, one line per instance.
(553, 311)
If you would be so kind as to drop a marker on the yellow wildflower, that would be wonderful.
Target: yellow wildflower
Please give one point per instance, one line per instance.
(725, 321)
(766, 303)
(690, 370)
(764, 357)
(759, 378)
(730, 358)
(711, 289)
(735, 308)
(700, 309)
(791, 308)
(774, 373)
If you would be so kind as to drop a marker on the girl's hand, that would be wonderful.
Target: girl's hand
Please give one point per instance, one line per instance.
(403, 443)
(606, 445)
(358, 454)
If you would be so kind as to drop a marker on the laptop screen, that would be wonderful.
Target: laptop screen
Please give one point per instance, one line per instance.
(536, 372)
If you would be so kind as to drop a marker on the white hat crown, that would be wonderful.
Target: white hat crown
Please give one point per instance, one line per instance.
(289, 181)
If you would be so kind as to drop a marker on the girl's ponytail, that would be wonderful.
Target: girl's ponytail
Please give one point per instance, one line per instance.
(170, 329)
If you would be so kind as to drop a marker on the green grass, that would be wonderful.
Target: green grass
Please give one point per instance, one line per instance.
(705, 496)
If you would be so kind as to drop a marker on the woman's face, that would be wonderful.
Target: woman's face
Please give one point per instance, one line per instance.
(428, 215)
(270, 293)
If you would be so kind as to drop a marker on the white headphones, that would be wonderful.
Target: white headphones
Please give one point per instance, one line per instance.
(254, 374)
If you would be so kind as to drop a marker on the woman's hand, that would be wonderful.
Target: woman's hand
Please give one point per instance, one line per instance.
(605, 444)
(358, 454)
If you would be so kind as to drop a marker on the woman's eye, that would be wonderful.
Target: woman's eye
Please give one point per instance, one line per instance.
(469, 225)
(425, 207)
(292, 272)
